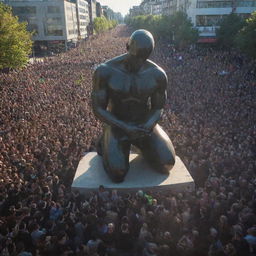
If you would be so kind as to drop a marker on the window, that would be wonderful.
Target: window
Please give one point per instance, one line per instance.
(208, 20)
(82, 10)
(82, 3)
(214, 4)
(53, 30)
(54, 20)
(82, 17)
(24, 10)
(53, 9)
(246, 4)
(53, 26)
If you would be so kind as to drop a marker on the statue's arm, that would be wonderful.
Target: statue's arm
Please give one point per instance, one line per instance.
(100, 97)
(158, 100)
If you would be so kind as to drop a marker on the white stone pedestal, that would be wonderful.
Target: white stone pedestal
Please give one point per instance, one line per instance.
(90, 174)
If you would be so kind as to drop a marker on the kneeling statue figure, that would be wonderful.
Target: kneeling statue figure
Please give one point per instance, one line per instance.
(129, 93)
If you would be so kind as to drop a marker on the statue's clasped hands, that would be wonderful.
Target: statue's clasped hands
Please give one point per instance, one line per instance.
(136, 132)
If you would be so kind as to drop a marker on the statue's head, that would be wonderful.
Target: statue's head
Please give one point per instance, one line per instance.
(141, 44)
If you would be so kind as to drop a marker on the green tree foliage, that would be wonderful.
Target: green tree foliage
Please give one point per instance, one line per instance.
(246, 37)
(101, 24)
(182, 30)
(229, 27)
(15, 40)
(178, 28)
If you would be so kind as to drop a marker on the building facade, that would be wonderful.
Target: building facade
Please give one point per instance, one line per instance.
(206, 14)
(53, 22)
(136, 10)
(158, 7)
(56, 24)
(70, 24)
(83, 18)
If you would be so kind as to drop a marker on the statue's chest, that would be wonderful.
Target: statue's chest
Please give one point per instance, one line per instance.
(139, 85)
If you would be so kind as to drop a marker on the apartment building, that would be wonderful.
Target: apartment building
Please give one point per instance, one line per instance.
(56, 24)
(206, 14)
(83, 18)
(158, 7)
(136, 10)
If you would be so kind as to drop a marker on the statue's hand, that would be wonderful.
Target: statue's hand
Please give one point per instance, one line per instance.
(147, 127)
(135, 132)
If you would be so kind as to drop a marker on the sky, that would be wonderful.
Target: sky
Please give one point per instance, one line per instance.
(122, 6)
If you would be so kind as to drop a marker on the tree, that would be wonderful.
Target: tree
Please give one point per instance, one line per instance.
(101, 24)
(246, 37)
(229, 27)
(177, 28)
(183, 32)
(15, 40)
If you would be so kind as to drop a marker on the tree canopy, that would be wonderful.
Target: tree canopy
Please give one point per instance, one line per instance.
(15, 40)
(183, 31)
(101, 24)
(229, 27)
(177, 28)
(246, 37)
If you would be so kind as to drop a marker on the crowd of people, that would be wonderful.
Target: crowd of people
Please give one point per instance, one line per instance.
(47, 125)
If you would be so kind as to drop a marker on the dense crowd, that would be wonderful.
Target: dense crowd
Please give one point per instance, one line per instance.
(47, 125)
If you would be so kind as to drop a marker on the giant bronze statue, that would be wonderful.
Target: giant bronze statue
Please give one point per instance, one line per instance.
(129, 92)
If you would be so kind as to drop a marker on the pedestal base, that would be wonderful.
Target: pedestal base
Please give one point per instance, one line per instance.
(90, 175)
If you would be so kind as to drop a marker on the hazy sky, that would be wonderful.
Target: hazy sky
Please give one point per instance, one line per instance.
(122, 6)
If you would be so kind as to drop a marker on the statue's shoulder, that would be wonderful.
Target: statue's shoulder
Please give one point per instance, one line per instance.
(116, 60)
(106, 68)
(158, 71)
(102, 70)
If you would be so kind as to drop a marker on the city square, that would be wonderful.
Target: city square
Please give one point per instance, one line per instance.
(47, 125)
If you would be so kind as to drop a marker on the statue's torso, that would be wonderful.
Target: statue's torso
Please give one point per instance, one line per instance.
(129, 93)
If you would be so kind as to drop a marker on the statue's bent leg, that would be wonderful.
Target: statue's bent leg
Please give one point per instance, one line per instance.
(158, 150)
(99, 145)
(115, 155)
